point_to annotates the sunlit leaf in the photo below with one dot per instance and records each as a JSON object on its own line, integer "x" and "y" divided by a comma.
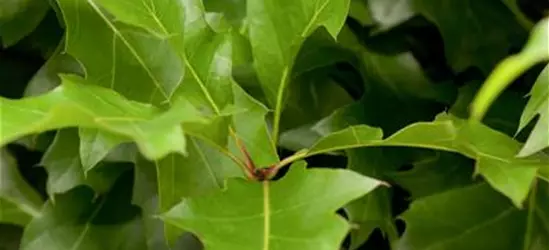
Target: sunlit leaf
{"x": 77, "y": 103}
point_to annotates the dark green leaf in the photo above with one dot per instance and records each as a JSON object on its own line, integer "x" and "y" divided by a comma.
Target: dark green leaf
{"x": 65, "y": 169}
{"x": 18, "y": 18}
{"x": 474, "y": 217}
{"x": 78, "y": 221}
{"x": 274, "y": 215}
{"x": 441, "y": 172}
{"x": 19, "y": 202}
{"x": 472, "y": 35}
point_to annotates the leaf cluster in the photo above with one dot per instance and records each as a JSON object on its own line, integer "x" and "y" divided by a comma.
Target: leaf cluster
{"x": 274, "y": 124}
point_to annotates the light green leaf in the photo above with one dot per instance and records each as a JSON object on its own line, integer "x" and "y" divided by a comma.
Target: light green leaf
{"x": 19, "y": 202}
{"x": 77, "y": 103}
{"x": 274, "y": 215}
{"x": 65, "y": 170}
{"x": 201, "y": 172}
{"x": 473, "y": 217}
{"x": 117, "y": 55}
{"x": 77, "y": 221}
{"x": 472, "y": 36}
{"x": 537, "y": 105}
{"x": 18, "y": 18}
{"x": 276, "y": 30}
{"x": 493, "y": 151}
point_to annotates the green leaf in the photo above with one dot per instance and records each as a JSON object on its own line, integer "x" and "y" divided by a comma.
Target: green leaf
{"x": 274, "y": 215}
{"x": 18, "y": 18}
{"x": 537, "y": 105}
{"x": 473, "y": 217}
{"x": 360, "y": 12}
{"x": 19, "y": 202}
{"x": 78, "y": 221}
{"x": 396, "y": 83}
{"x": 276, "y": 30}
{"x": 95, "y": 145}
{"x": 47, "y": 78}
{"x": 493, "y": 151}
{"x": 117, "y": 55}
{"x": 203, "y": 171}
{"x": 77, "y": 103}
{"x": 441, "y": 172}
{"x": 251, "y": 128}
{"x": 65, "y": 170}
{"x": 373, "y": 210}
{"x": 472, "y": 36}
{"x": 535, "y": 51}
{"x": 145, "y": 195}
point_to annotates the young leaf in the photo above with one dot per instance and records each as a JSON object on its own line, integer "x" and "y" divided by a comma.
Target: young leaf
{"x": 274, "y": 215}
{"x": 19, "y": 202}
{"x": 77, "y": 103}
{"x": 276, "y": 30}
{"x": 537, "y": 105}
{"x": 252, "y": 129}
{"x": 77, "y": 221}
{"x": 472, "y": 36}
{"x": 473, "y": 217}
{"x": 493, "y": 151}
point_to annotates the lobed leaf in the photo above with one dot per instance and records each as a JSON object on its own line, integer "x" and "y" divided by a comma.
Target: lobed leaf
{"x": 276, "y": 31}
{"x": 493, "y": 151}
{"x": 77, "y": 103}
{"x": 274, "y": 215}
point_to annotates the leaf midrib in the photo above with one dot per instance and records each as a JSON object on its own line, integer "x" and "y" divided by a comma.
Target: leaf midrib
{"x": 131, "y": 49}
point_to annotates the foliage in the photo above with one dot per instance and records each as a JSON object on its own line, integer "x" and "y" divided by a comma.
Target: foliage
{"x": 274, "y": 124}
